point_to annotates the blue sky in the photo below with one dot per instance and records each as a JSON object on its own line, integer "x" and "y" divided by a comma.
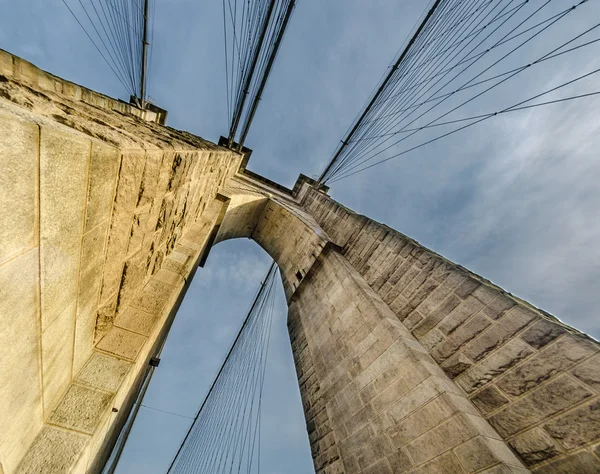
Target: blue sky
{"x": 515, "y": 199}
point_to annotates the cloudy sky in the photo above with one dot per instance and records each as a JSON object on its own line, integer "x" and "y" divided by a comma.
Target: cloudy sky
{"x": 515, "y": 199}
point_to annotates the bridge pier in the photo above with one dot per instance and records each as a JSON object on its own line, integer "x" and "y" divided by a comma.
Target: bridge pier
{"x": 406, "y": 362}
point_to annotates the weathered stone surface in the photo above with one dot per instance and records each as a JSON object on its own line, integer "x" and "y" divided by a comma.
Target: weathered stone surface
{"x": 481, "y": 452}
{"x": 460, "y": 314}
{"x": 436, "y": 316}
{"x": 90, "y": 273}
{"x": 85, "y": 325}
{"x": 63, "y": 176}
{"x": 553, "y": 359}
{"x": 19, "y": 367}
{"x": 136, "y": 320}
{"x": 589, "y": 372}
{"x": 535, "y": 446}
{"x": 81, "y": 409}
{"x": 19, "y": 143}
{"x": 467, "y": 332}
{"x": 457, "y": 364}
{"x": 105, "y": 317}
{"x": 128, "y": 186}
{"x": 489, "y": 399}
{"x": 576, "y": 428}
{"x": 54, "y": 451}
{"x": 582, "y": 462}
{"x": 122, "y": 343}
{"x": 499, "y": 306}
{"x": 153, "y": 297}
{"x": 498, "y": 334}
{"x": 541, "y": 333}
{"x": 57, "y": 357}
{"x": 553, "y": 397}
{"x": 104, "y": 372}
{"x": 497, "y": 363}
{"x": 104, "y": 165}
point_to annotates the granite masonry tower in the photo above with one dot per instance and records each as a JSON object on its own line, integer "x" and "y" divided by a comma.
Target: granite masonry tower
{"x": 406, "y": 362}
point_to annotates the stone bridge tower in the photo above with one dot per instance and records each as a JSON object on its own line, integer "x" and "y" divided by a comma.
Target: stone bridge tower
{"x": 406, "y": 362}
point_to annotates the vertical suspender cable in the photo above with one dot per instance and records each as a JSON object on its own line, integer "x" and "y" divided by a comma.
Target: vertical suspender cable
{"x": 231, "y": 349}
{"x": 240, "y": 106}
{"x": 379, "y": 91}
{"x": 144, "y": 56}
{"x": 263, "y": 82}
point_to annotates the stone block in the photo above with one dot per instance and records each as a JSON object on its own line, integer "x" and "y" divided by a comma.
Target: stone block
{"x": 136, "y": 320}
{"x": 57, "y": 357}
{"x": 578, "y": 427}
{"x": 6, "y": 64}
{"x": 547, "y": 400}
{"x": 553, "y": 359}
{"x": 432, "y": 339}
{"x": 126, "y": 197}
{"x": 589, "y": 372}
{"x": 19, "y": 341}
{"x": 122, "y": 343}
{"x": 447, "y": 463}
{"x": 139, "y": 230}
{"x": 499, "y": 306}
{"x": 489, "y": 399}
{"x": 19, "y": 143}
{"x": 542, "y": 333}
{"x": 461, "y": 313}
{"x": 81, "y": 409}
{"x": 63, "y": 176}
{"x": 481, "y": 452}
{"x": 149, "y": 188}
{"x": 581, "y": 462}
{"x": 535, "y": 446}
{"x": 447, "y": 405}
{"x": 22, "y": 435}
{"x": 90, "y": 272}
{"x": 457, "y": 364}
{"x": 450, "y": 434}
{"x": 85, "y": 324}
{"x": 154, "y": 296}
{"x": 498, "y": 334}
{"x": 399, "y": 461}
{"x": 467, "y": 287}
{"x": 105, "y": 317}
{"x": 486, "y": 294}
{"x": 436, "y": 316}
{"x": 494, "y": 365}
{"x": 104, "y": 166}
{"x": 104, "y": 372}
{"x": 53, "y": 451}
{"x": 170, "y": 278}
{"x": 132, "y": 278}
{"x": 373, "y": 452}
{"x": 467, "y": 332}
{"x": 410, "y": 428}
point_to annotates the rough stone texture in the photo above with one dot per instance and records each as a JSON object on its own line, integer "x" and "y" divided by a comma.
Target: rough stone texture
{"x": 80, "y": 409}
{"x": 20, "y": 391}
{"x": 53, "y": 452}
{"x": 122, "y": 343}
{"x": 372, "y": 391}
{"x": 103, "y": 372}
{"x": 19, "y": 144}
{"x": 522, "y": 368}
{"x": 63, "y": 176}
